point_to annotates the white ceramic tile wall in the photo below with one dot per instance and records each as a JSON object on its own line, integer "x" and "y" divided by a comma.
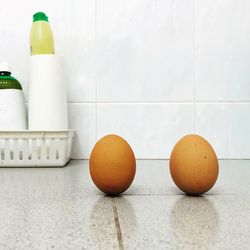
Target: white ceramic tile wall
{"x": 222, "y": 50}
{"x": 151, "y": 129}
{"x": 149, "y": 70}
{"x": 82, "y": 118}
{"x": 226, "y": 126}
{"x": 145, "y": 50}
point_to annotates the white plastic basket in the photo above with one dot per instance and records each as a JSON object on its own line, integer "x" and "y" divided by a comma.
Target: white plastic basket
{"x": 35, "y": 148}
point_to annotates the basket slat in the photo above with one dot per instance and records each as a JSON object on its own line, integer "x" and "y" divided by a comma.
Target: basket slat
{"x": 35, "y": 148}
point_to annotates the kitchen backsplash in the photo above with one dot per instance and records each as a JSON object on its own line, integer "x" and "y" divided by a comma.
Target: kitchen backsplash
{"x": 148, "y": 70}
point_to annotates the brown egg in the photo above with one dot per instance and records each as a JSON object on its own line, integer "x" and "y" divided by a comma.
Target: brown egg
{"x": 194, "y": 165}
{"x": 112, "y": 165}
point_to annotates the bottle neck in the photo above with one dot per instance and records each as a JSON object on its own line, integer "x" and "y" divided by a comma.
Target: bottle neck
{"x": 5, "y": 73}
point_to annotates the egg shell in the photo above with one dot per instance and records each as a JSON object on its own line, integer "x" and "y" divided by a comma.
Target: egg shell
{"x": 112, "y": 165}
{"x": 194, "y": 165}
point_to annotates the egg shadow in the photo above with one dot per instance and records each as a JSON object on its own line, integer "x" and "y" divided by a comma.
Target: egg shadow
{"x": 194, "y": 221}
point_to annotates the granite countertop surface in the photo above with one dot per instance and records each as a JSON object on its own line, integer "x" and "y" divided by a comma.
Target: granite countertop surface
{"x": 60, "y": 208}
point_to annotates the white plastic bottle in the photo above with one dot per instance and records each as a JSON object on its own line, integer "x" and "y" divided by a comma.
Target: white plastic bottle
{"x": 41, "y": 36}
{"x": 47, "y": 88}
{"x": 12, "y": 106}
{"x": 47, "y": 94}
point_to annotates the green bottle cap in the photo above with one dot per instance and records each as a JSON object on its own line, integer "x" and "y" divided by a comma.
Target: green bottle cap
{"x": 9, "y": 82}
{"x": 40, "y": 16}
{"x": 6, "y": 80}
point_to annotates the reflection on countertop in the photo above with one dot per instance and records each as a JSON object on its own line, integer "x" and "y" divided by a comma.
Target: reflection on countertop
{"x": 60, "y": 208}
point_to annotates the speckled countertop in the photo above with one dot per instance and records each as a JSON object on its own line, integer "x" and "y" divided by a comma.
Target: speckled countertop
{"x": 60, "y": 208}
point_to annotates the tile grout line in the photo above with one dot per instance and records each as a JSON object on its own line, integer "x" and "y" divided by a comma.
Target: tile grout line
{"x": 155, "y": 102}
{"x": 96, "y": 80}
{"x": 194, "y": 62}
{"x": 131, "y": 195}
{"x": 117, "y": 225}
{"x": 185, "y": 195}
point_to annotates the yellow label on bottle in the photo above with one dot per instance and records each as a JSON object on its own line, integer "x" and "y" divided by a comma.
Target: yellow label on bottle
{"x": 41, "y": 38}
